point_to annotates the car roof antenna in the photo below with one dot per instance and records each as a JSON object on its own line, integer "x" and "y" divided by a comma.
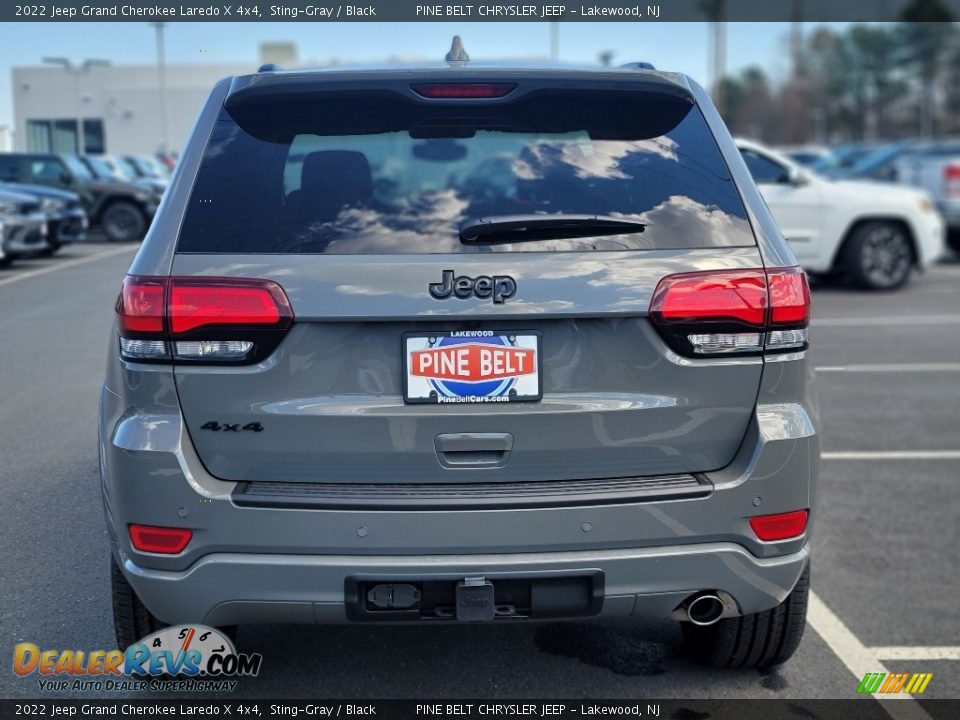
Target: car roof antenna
{"x": 457, "y": 54}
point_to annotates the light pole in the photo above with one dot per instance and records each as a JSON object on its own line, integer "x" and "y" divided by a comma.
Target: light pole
{"x": 162, "y": 84}
{"x": 716, "y": 13}
{"x": 554, "y": 41}
{"x": 77, "y": 71}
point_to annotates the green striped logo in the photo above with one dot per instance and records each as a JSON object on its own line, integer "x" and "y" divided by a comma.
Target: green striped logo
{"x": 888, "y": 683}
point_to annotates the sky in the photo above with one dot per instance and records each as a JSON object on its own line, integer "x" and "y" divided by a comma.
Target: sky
{"x": 680, "y": 47}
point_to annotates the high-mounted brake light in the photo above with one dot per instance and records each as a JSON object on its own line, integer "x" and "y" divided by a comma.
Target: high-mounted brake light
{"x": 463, "y": 90}
{"x": 723, "y": 312}
{"x": 161, "y": 540}
{"x": 781, "y": 526}
{"x": 200, "y": 319}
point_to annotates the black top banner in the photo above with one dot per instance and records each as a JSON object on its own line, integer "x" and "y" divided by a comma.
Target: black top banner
{"x": 494, "y": 10}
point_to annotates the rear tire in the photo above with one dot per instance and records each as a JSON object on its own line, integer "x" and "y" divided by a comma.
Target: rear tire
{"x": 131, "y": 619}
{"x": 757, "y": 640}
{"x": 123, "y": 221}
{"x": 879, "y": 255}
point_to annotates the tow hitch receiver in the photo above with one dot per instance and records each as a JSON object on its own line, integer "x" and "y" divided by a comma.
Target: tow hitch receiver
{"x": 475, "y": 600}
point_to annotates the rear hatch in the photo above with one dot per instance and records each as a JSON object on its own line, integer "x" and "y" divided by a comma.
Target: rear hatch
{"x": 469, "y": 264}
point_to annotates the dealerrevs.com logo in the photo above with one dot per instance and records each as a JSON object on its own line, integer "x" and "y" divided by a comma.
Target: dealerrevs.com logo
{"x": 182, "y": 658}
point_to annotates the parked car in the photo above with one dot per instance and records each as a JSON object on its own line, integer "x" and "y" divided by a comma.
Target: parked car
{"x": 874, "y": 232}
{"x": 144, "y": 166}
{"x": 463, "y": 361}
{"x": 145, "y": 171}
{"x": 880, "y": 163}
{"x": 806, "y": 155}
{"x": 25, "y": 226}
{"x": 123, "y": 211}
{"x": 113, "y": 169}
{"x": 105, "y": 168}
{"x": 936, "y": 169}
{"x": 168, "y": 161}
{"x": 66, "y": 219}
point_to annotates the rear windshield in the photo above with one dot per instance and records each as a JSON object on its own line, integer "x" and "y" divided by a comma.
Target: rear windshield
{"x": 380, "y": 174}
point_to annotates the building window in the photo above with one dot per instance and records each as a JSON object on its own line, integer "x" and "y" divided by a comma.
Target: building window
{"x": 61, "y": 136}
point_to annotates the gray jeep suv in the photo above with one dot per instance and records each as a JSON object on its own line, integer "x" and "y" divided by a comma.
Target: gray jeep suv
{"x": 462, "y": 343}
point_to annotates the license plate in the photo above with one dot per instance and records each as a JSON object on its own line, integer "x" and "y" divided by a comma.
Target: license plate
{"x": 472, "y": 366}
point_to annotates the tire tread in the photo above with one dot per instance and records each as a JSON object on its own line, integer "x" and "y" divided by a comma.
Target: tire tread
{"x": 757, "y": 640}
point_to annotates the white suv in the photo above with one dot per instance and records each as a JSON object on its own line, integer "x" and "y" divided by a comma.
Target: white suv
{"x": 874, "y": 232}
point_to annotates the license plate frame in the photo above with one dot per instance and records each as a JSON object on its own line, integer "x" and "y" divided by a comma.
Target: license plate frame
{"x": 524, "y": 387}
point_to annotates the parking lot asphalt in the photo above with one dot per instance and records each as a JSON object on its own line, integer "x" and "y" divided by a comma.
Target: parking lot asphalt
{"x": 884, "y": 546}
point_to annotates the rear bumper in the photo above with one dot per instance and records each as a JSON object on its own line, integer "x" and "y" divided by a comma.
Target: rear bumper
{"x": 70, "y": 227}
{"x": 228, "y": 589}
{"x": 950, "y": 210}
{"x": 931, "y": 237}
{"x": 261, "y": 564}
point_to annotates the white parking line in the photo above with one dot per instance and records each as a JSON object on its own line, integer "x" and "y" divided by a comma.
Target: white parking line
{"x": 887, "y": 320}
{"x": 891, "y": 367}
{"x": 936, "y": 652}
{"x": 67, "y": 264}
{"x": 892, "y": 455}
{"x": 859, "y": 660}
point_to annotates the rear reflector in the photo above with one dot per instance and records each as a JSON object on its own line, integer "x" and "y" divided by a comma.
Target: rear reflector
{"x": 162, "y": 540}
{"x": 200, "y": 319}
{"x": 722, "y": 312}
{"x": 463, "y": 90}
{"x": 780, "y": 527}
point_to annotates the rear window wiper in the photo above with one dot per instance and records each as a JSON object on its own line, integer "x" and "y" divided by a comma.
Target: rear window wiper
{"x": 498, "y": 229}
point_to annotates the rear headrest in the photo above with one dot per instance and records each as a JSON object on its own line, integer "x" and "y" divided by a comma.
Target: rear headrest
{"x": 341, "y": 176}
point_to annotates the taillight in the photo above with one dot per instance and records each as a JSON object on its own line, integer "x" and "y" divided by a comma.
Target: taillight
{"x": 162, "y": 540}
{"x": 951, "y": 180}
{"x": 463, "y": 90}
{"x": 196, "y": 319}
{"x": 780, "y": 527}
{"x": 723, "y": 312}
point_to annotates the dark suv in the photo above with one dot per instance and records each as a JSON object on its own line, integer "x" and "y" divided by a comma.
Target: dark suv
{"x": 463, "y": 343}
{"x": 123, "y": 211}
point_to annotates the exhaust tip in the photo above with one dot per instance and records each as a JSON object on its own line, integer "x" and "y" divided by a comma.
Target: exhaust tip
{"x": 705, "y": 609}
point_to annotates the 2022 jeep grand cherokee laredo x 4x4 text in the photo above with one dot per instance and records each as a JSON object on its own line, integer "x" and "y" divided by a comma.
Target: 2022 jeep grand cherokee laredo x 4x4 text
{"x": 462, "y": 343}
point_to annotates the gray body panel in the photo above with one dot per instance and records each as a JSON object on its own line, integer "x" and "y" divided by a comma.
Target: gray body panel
{"x": 246, "y": 564}
{"x": 330, "y": 398}
{"x": 617, "y": 403}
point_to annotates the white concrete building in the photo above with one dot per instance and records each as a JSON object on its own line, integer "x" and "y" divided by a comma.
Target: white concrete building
{"x": 120, "y": 106}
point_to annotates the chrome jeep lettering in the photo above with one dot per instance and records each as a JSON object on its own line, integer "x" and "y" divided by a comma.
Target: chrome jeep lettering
{"x": 500, "y": 287}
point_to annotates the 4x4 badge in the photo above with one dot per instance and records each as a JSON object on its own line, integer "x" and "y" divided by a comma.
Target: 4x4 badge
{"x": 499, "y": 287}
